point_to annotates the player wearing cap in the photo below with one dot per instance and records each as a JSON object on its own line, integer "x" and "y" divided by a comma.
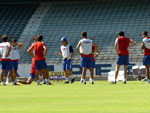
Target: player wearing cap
{"x": 67, "y": 52}
{"x": 146, "y": 59}
{"x": 122, "y": 49}
{"x": 15, "y": 57}
{"x": 39, "y": 56}
{"x": 6, "y": 63}
{"x": 84, "y": 48}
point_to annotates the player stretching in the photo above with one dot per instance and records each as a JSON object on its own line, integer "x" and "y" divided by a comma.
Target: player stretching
{"x": 32, "y": 74}
{"x": 146, "y": 59}
{"x": 40, "y": 63}
{"x": 66, "y": 51}
{"x": 6, "y": 63}
{"x": 84, "y": 48}
{"x": 14, "y": 57}
{"x": 122, "y": 49}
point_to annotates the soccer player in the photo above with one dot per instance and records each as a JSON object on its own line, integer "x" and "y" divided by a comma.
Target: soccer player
{"x": 67, "y": 52}
{"x": 40, "y": 63}
{"x": 6, "y": 63}
{"x": 146, "y": 59}
{"x": 84, "y": 48}
{"x": 32, "y": 74}
{"x": 122, "y": 49}
{"x": 94, "y": 50}
{"x": 15, "y": 57}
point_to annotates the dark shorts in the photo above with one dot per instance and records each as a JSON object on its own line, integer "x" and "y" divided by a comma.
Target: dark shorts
{"x": 15, "y": 65}
{"x": 40, "y": 64}
{"x": 6, "y": 65}
{"x": 146, "y": 60}
{"x": 123, "y": 60}
{"x": 86, "y": 62}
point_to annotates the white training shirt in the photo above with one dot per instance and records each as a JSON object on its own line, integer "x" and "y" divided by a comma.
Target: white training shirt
{"x": 15, "y": 53}
{"x": 147, "y": 42}
{"x": 4, "y": 50}
{"x": 86, "y": 46}
{"x": 66, "y": 51}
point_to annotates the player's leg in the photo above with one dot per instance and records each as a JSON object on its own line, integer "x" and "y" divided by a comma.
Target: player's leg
{"x": 29, "y": 81}
{"x": 125, "y": 74}
{"x": 92, "y": 72}
{"x": 44, "y": 77}
{"x": 84, "y": 69}
{"x": 116, "y": 74}
{"x": 15, "y": 68}
{"x": 91, "y": 79}
{"x": 64, "y": 66}
{"x": 147, "y": 73}
{"x": 37, "y": 72}
{"x": 2, "y": 77}
{"x": 7, "y": 78}
{"x": 69, "y": 70}
{"x": 44, "y": 69}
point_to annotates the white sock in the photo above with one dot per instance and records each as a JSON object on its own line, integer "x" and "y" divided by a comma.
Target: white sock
{"x": 67, "y": 79}
{"x": 44, "y": 80}
{"x": 7, "y": 79}
{"x": 81, "y": 80}
{"x": 91, "y": 80}
{"x": 38, "y": 82}
{"x": 3, "y": 83}
{"x": 84, "y": 80}
{"x": 72, "y": 77}
{"x": 13, "y": 82}
{"x": 124, "y": 79}
{"x": 47, "y": 81}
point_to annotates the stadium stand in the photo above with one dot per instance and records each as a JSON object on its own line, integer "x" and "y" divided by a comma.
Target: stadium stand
{"x": 102, "y": 20}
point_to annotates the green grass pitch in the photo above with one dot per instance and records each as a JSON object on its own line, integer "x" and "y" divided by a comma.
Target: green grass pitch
{"x": 102, "y": 97}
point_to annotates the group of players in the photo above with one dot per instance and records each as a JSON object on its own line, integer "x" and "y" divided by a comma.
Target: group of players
{"x": 86, "y": 48}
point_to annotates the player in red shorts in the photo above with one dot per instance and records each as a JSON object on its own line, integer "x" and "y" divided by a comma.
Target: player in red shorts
{"x": 40, "y": 63}
{"x": 122, "y": 49}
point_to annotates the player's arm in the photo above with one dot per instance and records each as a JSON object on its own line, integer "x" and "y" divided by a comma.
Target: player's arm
{"x": 59, "y": 53}
{"x": 116, "y": 45}
{"x": 72, "y": 52}
{"x": 142, "y": 46}
{"x": 45, "y": 49}
{"x": 133, "y": 43}
{"x": 29, "y": 51}
{"x": 96, "y": 47}
{"x": 20, "y": 45}
{"x": 78, "y": 48}
{"x": 9, "y": 49}
{"x": 98, "y": 53}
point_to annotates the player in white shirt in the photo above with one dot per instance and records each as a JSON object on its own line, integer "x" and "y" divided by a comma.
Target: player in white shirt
{"x": 66, "y": 51}
{"x": 15, "y": 57}
{"x": 84, "y": 48}
{"x": 6, "y": 63}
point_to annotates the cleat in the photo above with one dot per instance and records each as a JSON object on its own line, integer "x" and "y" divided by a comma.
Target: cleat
{"x": 44, "y": 82}
{"x": 113, "y": 82}
{"x": 84, "y": 83}
{"x": 124, "y": 82}
{"x": 67, "y": 82}
{"x": 143, "y": 80}
{"x": 72, "y": 80}
{"x": 92, "y": 82}
{"x": 148, "y": 82}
